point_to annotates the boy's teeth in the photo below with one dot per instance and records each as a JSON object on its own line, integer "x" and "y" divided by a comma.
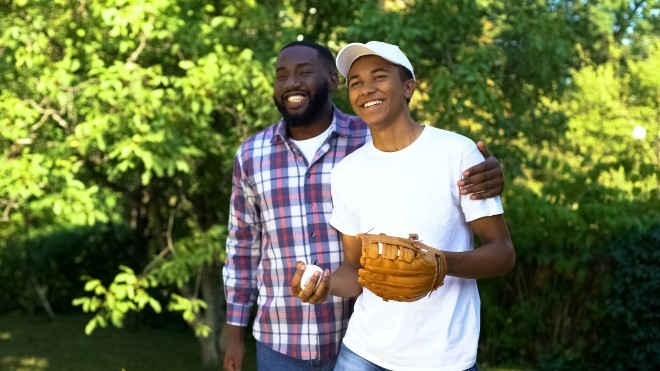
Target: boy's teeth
{"x": 372, "y": 103}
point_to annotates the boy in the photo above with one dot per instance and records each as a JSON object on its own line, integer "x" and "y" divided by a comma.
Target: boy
{"x": 398, "y": 183}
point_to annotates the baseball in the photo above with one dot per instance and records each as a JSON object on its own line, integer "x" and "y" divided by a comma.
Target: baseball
{"x": 308, "y": 274}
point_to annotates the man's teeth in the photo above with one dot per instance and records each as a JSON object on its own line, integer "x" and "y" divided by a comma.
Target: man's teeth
{"x": 372, "y": 103}
{"x": 295, "y": 98}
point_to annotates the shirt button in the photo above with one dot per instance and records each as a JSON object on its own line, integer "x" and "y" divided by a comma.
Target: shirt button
{"x": 313, "y": 234}
{"x": 309, "y": 206}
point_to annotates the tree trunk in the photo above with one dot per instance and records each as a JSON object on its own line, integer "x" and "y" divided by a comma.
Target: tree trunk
{"x": 214, "y": 316}
{"x": 42, "y": 297}
{"x": 138, "y": 251}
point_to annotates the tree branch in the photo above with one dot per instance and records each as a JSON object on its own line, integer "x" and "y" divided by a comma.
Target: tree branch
{"x": 47, "y": 112}
{"x": 169, "y": 248}
{"x": 136, "y": 53}
{"x": 8, "y": 205}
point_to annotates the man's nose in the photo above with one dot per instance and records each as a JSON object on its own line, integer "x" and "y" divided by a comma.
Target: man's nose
{"x": 292, "y": 81}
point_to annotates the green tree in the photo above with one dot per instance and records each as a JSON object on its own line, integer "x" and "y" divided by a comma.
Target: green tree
{"x": 128, "y": 113}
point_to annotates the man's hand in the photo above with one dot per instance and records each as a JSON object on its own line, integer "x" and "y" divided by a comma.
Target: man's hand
{"x": 311, "y": 294}
{"x": 235, "y": 349}
{"x": 483, "y": 180}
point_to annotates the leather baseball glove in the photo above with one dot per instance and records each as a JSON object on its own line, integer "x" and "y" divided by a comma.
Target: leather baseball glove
{"x": 400, "y": 269}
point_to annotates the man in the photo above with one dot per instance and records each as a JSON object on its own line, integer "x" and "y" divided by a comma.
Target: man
{"x": 372, "y": 191}
{"x": 280, "y": 209}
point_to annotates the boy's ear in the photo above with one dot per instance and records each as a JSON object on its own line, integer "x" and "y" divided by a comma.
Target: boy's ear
{"x": 334, "y": 80}
{"x": 409, "y": 88}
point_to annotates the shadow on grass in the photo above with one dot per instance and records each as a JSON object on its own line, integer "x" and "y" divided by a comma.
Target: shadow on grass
{"x": 61, "y": 345}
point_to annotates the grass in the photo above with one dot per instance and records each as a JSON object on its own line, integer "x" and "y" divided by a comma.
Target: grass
{"x": 40, "y": 345}
{"x": 61, "y": 345}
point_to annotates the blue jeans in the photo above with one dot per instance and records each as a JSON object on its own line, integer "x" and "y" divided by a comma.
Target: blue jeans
{"x": 271, "y": 360}
{"x": 349, "y": 361}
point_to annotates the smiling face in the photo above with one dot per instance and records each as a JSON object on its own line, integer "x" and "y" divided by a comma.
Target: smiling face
{"x": 303, "y": 82}
{"x": 377, "y": 91}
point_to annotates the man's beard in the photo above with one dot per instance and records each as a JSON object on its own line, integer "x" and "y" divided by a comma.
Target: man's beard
{"x": 316, "y": 103}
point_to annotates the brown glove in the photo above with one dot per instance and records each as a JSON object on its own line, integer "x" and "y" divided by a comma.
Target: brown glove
{"x": 396, "y": 268}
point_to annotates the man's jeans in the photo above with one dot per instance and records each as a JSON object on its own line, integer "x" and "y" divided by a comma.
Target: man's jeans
{"x": 349, "y": 361}
{"x": 270, "y": 360}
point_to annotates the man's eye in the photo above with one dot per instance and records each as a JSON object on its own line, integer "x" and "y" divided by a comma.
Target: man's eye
{"x": 280, "y": 77}
{"x": 305, "y": 73}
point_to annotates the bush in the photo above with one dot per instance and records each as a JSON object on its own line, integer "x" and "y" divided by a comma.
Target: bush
{"x": 632, "y": 326}
{"x": 583, "y": 294}
{"x": 58, "y": 261}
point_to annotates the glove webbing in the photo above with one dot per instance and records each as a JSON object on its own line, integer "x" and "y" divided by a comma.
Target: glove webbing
{"x": 439, "y": 257}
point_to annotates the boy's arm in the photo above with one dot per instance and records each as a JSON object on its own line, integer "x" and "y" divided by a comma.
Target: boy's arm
{"x": 484, "y": 180}
{"x": 495, "y": 257}
{"x": 343, "y": 282}
{"x": 344, "y": 279}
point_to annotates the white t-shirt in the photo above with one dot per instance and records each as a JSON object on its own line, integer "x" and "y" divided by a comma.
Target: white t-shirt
{"x": 308, "y": 147}
{"x": 414, "y": 191}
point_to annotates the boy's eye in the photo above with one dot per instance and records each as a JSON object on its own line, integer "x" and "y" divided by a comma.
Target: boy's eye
{"x": 354, "y": 84}
{"x": 379, "y": 77}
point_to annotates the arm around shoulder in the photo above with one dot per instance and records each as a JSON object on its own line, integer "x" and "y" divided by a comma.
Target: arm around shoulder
{"x": 484, "y": 180}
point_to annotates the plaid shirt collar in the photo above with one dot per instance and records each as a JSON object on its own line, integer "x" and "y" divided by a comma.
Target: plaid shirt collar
{"x": 339, "y": 119}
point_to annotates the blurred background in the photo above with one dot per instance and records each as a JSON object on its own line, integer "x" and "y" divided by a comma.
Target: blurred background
{"x": 119, "y": 120}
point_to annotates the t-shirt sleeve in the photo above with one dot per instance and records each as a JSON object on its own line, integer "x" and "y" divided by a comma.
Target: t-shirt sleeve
{"x": 475, "y": 209}
{"x": 344, "y": 217}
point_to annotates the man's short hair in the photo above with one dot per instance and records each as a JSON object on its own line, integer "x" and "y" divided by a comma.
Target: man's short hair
{"x": 324, "y": 53}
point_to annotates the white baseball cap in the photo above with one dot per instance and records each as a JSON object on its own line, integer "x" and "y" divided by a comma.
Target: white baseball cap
{"x": 349, "y": 53}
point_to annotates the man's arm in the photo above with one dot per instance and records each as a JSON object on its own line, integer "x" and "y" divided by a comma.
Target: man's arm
{"x": 495, "y": 257}
{"x": 235, "y": 349}
{"x": 342, "y": 282}
{"x": 484, "y": 180}
{"x": 239, "y": 271}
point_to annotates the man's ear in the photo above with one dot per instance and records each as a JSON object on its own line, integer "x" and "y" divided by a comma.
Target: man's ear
{"x": 409, "y": 88}
{"x": 334, "y": 80}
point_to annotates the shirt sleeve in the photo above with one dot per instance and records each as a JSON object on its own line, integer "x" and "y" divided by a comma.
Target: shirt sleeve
{"x": 343, "y": 219}
{"x": 475, "y": 209}
{"x": 243, "y": 249}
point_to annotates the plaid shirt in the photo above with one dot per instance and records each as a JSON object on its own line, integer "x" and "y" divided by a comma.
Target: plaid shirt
{"x": 280, "y": 213}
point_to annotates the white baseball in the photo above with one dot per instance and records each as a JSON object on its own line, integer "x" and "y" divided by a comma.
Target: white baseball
{"x": 308, "y": 274}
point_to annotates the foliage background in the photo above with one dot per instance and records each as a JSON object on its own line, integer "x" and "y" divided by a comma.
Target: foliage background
{"x": 119, "y": 120}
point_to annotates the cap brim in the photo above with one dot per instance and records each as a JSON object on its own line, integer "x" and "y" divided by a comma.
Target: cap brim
{"x": 348, "y": 54}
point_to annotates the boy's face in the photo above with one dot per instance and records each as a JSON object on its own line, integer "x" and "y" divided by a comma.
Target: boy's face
{"x": 376, "y": 90}
{"x": 302, "y": 85}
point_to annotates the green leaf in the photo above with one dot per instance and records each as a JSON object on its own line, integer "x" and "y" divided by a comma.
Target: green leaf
{"x": 91, "y": 285}
{"x": 117, "y": 319}
{"x": 91, "y": 325}
{"x": 155, "y": 305}
{"x": 186, "y": 65}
